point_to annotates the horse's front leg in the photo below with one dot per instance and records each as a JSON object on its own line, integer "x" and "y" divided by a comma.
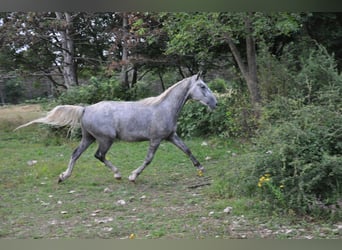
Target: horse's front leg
{"x": 174, "y": 138}
{"x": 154, "y": 144}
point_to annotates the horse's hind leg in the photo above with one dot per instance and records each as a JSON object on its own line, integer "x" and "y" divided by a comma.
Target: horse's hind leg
{"x": 154, "y": 144}
{"x": 104, "y": 145}
{"x": 87, "y": 139}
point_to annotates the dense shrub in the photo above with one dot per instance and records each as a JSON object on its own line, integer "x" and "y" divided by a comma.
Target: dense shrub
{"x": 295, "y": 164}
{"x": 14, "y": 90}
{"x": 318, "y": 73}
{"x": 218, "y": 85}
{"x": 299, "y": 160}
{"x": 97, "y": 90}
{"x": 302, "y": 160}
{"x": 197, "y": 120}
{"x": 298, "y": 73}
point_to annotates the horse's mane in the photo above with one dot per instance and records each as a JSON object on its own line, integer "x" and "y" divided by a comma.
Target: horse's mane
{"x": 162, "y": 96}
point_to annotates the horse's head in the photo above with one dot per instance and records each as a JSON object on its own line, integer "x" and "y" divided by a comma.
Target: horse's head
{"x": 199, "y": 91}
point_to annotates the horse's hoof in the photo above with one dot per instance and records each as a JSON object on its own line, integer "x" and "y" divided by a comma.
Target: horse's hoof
{"x": 59, "y": 180}
{"x": 132, "y": 178}
{"x": 118, "y": 177}
{"x": 201, "y": 169}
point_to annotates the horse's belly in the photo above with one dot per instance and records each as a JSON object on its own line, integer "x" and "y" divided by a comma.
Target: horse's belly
{"x": 131, "y": 129}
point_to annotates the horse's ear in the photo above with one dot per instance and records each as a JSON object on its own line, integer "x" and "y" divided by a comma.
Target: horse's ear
{"x": 199, "y": 74}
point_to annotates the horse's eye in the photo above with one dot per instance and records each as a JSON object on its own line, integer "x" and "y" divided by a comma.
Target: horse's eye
{"x": 202, "y": 86}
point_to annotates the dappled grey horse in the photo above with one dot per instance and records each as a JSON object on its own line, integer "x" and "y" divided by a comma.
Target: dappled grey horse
{"x": 152, "y": 119}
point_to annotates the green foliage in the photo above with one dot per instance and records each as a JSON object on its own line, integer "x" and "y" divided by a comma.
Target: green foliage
{"x": 303, "y": 72}
{"x": 318, "y": 72}
{"x": 97, "y": 90}
{"x": 299, "y": 143}
{"x": 276, "y": 77}
{"x": 218, "y": 85}
{"x": 295, "y": 165}
{"x": 303, "y": 156}
{"x": 14, "y": 90}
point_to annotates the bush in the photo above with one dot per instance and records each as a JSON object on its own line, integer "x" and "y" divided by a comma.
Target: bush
{"x": 97, "y": 90}
{"x": 301, "y": 72}
{"x": 14, "y": 90}
{"x": 318, "y": 73}
{"x": 196, "y": 120}
{"x": 299, "y": 162}
{"x": 299, "y": 148}
{"x": 218, "y": 85}
{"x": 295, "y": 164}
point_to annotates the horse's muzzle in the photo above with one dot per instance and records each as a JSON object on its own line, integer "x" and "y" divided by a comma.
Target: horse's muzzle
{"x": 212, "y": 104}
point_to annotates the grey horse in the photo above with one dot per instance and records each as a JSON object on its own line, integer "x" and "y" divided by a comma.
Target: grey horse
{"x": 152, "y": 119}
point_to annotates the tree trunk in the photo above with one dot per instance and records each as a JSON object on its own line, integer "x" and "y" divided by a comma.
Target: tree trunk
{"x": 124, "y": 58}
{"x": 249, "y": 71}
{"x": 134, "y": 76}
{"x": 252, "y": 78}
{"x": 67, "y": 45}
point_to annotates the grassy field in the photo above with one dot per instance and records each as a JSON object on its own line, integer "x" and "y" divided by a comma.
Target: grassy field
{"x": 169, "y": 200}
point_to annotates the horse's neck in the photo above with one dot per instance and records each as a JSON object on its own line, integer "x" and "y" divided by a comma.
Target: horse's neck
{"x": 176, "y": 99}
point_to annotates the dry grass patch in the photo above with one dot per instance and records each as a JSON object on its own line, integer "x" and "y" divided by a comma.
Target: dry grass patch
{"x": 14, "y": 115}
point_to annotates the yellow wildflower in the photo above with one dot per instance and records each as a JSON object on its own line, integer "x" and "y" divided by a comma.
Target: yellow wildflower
{"x": 200, "y": 173}
{"x": 131, "y": 236}
{"x": 264, "y": 178}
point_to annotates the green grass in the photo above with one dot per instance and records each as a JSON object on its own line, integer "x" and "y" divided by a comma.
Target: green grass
{"x": 159, "y": 205}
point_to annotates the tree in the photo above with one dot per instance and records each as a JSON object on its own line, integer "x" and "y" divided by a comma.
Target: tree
{"x": 55, "y": 45}
{"x": 201, "y": 34}
{"x": 139, "y": 46}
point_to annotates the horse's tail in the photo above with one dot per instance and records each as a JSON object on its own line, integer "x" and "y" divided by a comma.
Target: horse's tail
{"x": 64, "y": 115}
